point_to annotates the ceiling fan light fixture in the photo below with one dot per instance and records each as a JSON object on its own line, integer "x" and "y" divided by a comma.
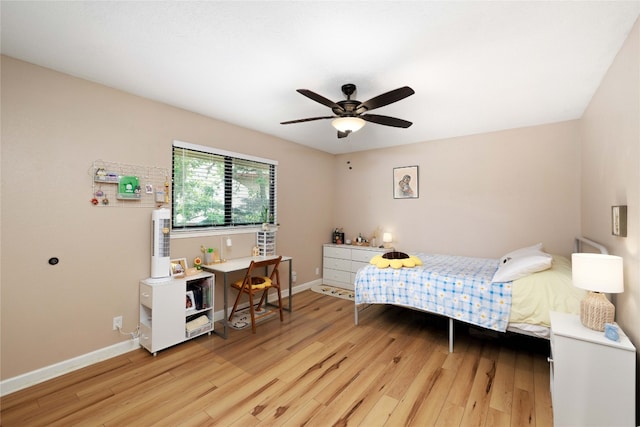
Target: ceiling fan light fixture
{"x": 348, "y": 124}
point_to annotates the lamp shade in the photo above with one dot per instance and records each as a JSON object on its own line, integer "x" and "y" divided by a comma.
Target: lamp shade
{"x": 348, "y": 124}
{"x": 387, "y": 238}
{"x": 597, "y": 272}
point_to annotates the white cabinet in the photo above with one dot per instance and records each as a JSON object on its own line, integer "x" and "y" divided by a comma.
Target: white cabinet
{"x": 592, "y": 377}
{"x": 175, "y": 310}
{"x": 340, "y": 263}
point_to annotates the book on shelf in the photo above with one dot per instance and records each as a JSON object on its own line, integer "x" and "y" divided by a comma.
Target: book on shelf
{"x": 202, "y": 293}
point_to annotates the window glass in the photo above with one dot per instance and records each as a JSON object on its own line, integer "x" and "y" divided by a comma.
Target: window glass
{"x": 221, "y": 189}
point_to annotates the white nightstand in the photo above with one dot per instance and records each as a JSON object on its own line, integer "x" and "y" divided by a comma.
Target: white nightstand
{"x": 592, "y": 377}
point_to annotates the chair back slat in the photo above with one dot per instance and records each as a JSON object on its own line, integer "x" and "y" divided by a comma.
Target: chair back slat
{"x": 275, "y": 262}
{"x": 265, "y": 263}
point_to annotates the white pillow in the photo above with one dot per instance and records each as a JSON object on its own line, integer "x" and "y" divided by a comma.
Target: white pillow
{"x": 516, "y": 268}
{"x": 529, "y": 250}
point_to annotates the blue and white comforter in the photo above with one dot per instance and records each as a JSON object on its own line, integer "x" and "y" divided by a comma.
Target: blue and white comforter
{"x": 453, "y": 286}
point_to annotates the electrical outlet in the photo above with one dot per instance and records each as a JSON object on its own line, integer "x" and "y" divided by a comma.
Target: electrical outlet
{"x": 117, "y": 323}
{"x": 317, "y": 271}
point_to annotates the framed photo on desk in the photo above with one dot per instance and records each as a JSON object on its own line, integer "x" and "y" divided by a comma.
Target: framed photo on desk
{"x": 178, "y": 267}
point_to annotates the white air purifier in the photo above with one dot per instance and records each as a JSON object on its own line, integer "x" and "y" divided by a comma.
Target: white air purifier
{"x": 160, "y": 256}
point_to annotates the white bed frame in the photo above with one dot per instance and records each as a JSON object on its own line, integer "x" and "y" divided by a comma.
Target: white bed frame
{"x": 578, "y": 244}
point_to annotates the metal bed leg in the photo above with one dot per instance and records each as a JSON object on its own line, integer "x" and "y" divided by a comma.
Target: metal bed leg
{"x": 355, "y": 318}
{"x": 450, "y": 335}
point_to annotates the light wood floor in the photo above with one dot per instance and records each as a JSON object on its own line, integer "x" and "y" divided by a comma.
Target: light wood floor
{"x": 314, "y": 369}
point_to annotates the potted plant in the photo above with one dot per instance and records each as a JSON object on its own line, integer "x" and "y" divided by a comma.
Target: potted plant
{"x": 208, "y": 254}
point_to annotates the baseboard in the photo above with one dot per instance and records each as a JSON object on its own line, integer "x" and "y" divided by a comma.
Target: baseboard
{"x": 29, "y": 379}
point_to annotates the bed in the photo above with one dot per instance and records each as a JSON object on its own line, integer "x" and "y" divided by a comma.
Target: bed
{"x": 514, "y": 293}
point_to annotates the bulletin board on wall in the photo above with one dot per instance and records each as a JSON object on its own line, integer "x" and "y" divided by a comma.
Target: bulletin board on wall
{"x": 116, "y": 184}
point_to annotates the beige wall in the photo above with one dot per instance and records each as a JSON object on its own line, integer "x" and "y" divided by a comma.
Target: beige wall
{"x": 480, "y": 195}
{"x": 611, "y": 172}
{"x": 53, "y": 127}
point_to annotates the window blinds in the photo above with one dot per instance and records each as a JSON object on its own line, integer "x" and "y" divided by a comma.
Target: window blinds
{"x": 215, "y": 188}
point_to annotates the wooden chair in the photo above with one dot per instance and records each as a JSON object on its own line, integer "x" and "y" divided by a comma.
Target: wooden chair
{"x": 254, "y": 283}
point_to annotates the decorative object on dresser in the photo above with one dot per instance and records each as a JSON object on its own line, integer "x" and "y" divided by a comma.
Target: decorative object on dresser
{"x": 387, "y": 239}
{"x": 338, "y": 236}
{"x": 592, "y": 377}
{"x": 598, "y": 274}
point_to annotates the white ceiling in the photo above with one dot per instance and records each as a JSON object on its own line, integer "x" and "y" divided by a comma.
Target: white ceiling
{"x": 476, "y": 66}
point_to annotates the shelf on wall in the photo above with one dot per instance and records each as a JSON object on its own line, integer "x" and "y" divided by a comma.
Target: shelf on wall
{"x": 116, "y": 184}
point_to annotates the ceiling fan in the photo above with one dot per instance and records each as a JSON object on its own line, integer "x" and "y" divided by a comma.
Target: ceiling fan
{"x": 350, "y": 115}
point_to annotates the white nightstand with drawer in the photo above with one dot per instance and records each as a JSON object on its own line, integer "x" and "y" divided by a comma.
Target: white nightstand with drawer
{"x": 592, "y": 377}
{"x": 340, "y": 263}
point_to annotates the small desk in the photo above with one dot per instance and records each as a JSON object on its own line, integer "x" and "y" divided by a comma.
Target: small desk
{"x": 239, "y": 264}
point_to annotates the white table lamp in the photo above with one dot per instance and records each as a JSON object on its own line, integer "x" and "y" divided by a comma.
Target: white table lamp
{"x": 598, "y": 274}
{"x": 387, "y": 238}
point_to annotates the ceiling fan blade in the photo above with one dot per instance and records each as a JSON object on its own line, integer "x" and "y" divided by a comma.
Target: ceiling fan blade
{"x": 307, "y": 120}
{"x": 343, "y": 134}
{"x": 386, "y": 120}
{"x": 385, "y": 99}
{"x": 319, "y": 98}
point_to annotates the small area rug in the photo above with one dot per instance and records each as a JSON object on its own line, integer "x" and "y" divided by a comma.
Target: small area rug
{"x": 332, "y": 291}
{"x": 242, "y": 318}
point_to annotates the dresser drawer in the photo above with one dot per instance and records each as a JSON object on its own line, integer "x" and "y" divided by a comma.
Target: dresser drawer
{"x": 146, "y": 295}
{"x": 355, "y": 266}
{"x": 146, "y": 339}
{"x": 363, "y": 255}
{"x": 337, "y": 264}
{"x": 329, "y": 275}
{"x": 333, "y": 252}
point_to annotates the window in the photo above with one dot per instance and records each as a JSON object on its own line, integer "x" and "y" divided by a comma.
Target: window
{"x": 214, "y": 188}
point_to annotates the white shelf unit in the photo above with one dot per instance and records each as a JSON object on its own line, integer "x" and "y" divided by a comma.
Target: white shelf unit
{"x": 164, "y": 318}
{"x": 266, "y": 241}
{"x": 340, "y": 263}
{"x": 592, "y": 377}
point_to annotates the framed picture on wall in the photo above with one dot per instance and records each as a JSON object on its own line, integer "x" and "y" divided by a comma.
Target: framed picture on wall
{"x": 405, "y": 182}
{"x": 178, "y": 267}
{"x": 619, "y": 221}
